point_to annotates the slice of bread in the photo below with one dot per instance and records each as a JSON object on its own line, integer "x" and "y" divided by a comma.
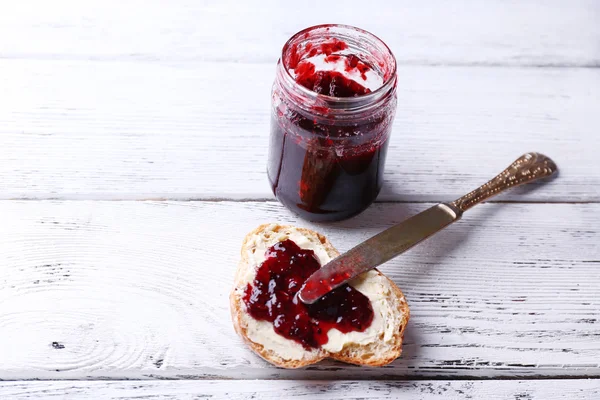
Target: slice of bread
{"x": 378, "y": 345}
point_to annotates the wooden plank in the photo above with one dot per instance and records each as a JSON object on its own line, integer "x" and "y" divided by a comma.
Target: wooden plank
{"x": 419, "y": 32}
{"x": 92, "y": 289}
{"x": 118, "y": 130}
{"x": 318, "y": 390}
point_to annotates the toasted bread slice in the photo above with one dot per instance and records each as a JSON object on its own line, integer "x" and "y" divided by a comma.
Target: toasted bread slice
{"x": 378, "y": 345}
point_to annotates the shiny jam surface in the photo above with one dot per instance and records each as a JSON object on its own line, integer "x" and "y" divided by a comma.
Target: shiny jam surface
{"x": 272, "y": 297}
{"x": 320, "y": 168}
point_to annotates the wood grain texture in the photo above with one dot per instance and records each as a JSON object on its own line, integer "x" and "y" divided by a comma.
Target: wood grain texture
{"x": 140, "y": 99}
{"x": 317, "y": 390}
{"x": 125, "y": 130}
{"x": 464, "y": 32}
{"x": 92, "y": 289}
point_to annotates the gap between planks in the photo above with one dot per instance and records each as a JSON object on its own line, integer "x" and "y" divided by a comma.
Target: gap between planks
{"x": 270, "y": 62}
{"x": 423, "y": 390}
{"x": 310, "y": 378}
{"x": 265, "y": 200}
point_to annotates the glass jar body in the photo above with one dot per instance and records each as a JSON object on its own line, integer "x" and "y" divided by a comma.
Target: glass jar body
{"x": 327, "y": 155}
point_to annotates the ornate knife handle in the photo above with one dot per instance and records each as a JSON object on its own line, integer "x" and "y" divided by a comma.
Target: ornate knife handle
{"x": 527, "y": 168}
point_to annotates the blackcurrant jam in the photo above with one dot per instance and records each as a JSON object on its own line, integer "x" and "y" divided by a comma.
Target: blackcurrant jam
{"x": 272, "y": 296}
{"x": 334, "y": 101}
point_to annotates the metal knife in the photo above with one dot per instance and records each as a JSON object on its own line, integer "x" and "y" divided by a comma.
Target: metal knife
{"x": 399, "y": 238}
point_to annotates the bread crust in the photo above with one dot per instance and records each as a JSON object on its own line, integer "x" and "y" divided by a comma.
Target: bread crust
{"x": 357, "y": 355}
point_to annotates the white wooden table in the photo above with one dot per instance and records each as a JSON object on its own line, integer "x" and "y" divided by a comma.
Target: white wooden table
{"x": 133, "y": 141}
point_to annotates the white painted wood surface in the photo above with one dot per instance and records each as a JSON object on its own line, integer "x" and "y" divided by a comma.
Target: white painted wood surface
{"x": 140, "y": 289}
{"x": 496, "y": 32}
{"x": 317, "y": 390}
{"x": 121, "y": 130}
{"x": 138, "y": 100}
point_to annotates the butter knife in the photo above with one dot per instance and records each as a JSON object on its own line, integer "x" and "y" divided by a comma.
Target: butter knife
{"x": 401, "y": 237}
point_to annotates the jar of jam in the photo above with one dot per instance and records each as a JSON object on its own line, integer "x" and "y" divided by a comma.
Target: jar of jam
{"x": 333, "y": 104}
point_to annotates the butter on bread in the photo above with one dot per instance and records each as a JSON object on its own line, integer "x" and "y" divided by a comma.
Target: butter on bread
{"x": 379, "y": 344}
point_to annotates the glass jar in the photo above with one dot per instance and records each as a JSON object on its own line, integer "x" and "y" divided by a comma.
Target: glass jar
{"x": 333, "y": 104}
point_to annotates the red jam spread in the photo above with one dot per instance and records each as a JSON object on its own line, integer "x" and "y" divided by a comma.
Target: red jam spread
{"x": 272, "y": 297}
{"x": 321, "y": 168}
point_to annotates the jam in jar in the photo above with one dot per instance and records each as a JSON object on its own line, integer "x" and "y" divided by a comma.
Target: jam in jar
{"x": 333, "y": 104}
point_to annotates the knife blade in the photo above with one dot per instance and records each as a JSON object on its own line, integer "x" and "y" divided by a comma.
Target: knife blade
{"x": 377, "y": 250}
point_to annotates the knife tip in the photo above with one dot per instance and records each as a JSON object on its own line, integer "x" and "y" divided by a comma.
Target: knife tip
{"x": 303, "y": 299}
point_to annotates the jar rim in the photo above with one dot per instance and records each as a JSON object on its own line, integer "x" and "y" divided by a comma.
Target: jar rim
{"x": 374, "y": 95}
